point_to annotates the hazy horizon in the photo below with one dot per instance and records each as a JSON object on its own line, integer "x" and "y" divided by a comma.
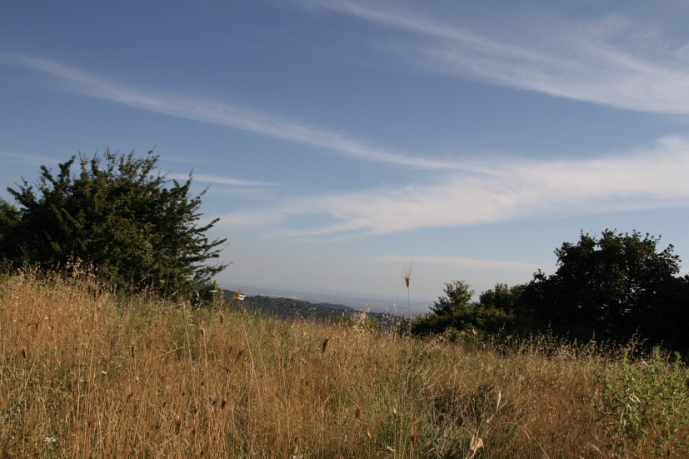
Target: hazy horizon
{"x": 398, "y": 306}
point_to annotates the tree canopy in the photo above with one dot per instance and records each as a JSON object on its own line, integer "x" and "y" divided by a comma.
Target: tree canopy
{"x": 457, "y": 295}
{"x": 615, "y": 285}
{"x": 455, "y": 311}
{"x": 503, "y": 297}
{"x": 119, "y": 214}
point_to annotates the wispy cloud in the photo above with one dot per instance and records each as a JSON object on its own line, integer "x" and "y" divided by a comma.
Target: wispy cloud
{"x": 26, "y": 158}
{"x": 219, "y": 180}
{"x": 83, "y": 83}
{"x": 641, "y": 179}
{"x": 612, "y": 59}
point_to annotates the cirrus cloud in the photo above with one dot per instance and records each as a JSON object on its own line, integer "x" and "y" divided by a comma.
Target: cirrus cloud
{"x": 641, "y": 179}
{"x": 224, "y": 114}
{"x": 616, "y": 58}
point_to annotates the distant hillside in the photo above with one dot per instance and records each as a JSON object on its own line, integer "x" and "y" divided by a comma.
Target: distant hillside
{"x": 288, "y": 308}
{"x": 353, "y": 300}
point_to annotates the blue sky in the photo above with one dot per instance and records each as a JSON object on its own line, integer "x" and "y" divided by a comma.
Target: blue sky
{"x": 345, "y": 140}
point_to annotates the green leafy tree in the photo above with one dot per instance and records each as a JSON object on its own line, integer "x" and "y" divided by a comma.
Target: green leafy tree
{"x": 458, "y": 295}
{"x": 119, "y": 214}
{"x": 615, "y": 286}
{"x": 509, "y": 299}
{"x": 9, "y": 220}
{"x": 493, "y": 314}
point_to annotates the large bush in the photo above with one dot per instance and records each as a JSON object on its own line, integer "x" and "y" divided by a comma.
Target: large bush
{"x": 496, "y": 312}
{"x": 120, "y": 215}
{"x": 614, "y": 286}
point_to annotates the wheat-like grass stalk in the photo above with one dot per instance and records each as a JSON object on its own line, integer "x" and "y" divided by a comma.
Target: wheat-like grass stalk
{"x": 406, "y": 275}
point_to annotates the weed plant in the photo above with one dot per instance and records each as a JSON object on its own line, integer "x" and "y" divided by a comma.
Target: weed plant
{"x": 644, "y": 406}
{"x": 89, "y": 374}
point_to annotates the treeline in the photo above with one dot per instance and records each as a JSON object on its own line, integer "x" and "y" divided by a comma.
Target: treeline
{"x": 615, "y": 287}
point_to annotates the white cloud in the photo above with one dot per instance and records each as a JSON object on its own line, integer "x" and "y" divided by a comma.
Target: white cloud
{"x": 642, "y": 179}
{"x": 219, "y": 180}
{"x": 27, "y": 158}
{"x": 614, "y": 59}
{"x": 79, "y": 82}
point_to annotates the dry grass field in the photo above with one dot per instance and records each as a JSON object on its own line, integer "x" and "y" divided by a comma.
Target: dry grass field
{"x": 85, "y": 374}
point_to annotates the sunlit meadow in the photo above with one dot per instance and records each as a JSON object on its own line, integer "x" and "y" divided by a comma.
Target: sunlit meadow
{"x": 86, "y": 373}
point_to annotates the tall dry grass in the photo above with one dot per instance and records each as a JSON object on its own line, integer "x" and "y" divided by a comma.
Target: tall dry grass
{"x": 84, "y": 375}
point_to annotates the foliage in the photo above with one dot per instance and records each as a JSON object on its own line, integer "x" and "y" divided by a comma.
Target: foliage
{"x": 495, "y": 313}
{"x": 9, "y": 219}
{"x": 644, "y": 407}
{"x": 473, "y": 322}
{"x": 614, "y": 286}
{"x": 135, "y": 227}
{"x": 458, "y": 295}
{"x": 509, "y": 299}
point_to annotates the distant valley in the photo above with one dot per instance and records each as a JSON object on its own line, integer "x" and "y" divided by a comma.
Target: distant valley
{"x": 294, "y": 308}
{"x": 392, "y": 306}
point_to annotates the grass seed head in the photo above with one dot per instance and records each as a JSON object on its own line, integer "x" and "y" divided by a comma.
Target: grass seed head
{"x": 414, "y": 435}
{"x": 406, "y": 274}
